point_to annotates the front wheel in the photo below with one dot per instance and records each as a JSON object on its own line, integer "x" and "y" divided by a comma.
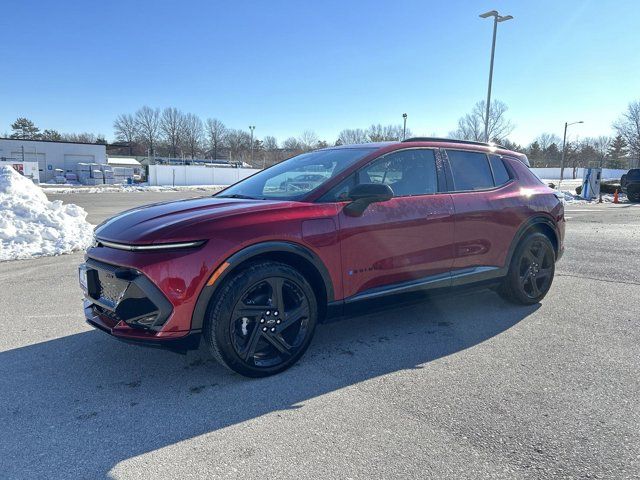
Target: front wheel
{"x": 531, "y": 271}
{"x": 262, "y": 319}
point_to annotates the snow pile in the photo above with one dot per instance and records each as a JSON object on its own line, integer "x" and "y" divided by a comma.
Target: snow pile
{"x": 68, "y": 189}
{"x": 573, "y": 198}
{"x": 32, "y": 226}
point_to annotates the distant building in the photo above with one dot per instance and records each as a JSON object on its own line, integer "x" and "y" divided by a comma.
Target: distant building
{"x": 52, "y": 156}
{"x": 139, "y": 171}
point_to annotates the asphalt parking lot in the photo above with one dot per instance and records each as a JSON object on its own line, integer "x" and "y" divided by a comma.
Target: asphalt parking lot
{"x": 452, "y": 387}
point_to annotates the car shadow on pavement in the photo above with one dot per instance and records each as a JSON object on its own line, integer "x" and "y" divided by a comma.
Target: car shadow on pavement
{"x": 77, "y": 406}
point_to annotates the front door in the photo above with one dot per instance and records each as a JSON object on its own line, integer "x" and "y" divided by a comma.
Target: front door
{"x": 407, "y": 238}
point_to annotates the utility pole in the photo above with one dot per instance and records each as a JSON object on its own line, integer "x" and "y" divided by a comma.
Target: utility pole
{"x": 564, "y": 149}
{"x": 404, "y": 128}
{"x": 496, "y": 19}
{"x": 252, "y": 128}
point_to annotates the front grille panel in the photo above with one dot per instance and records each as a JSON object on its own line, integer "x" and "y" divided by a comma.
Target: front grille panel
{"x": 125, "y": 294}
{"x": 112, "y": 282}
{"x": 111, "y": 289}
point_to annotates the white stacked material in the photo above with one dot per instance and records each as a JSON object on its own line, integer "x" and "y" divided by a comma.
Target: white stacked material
{"x": 32, "y": 226}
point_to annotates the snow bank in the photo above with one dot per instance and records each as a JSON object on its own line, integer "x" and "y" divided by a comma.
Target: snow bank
{"x": 32, "y": 226}
{"x": 67, "y": 188}
{"x": 572, "y": 198}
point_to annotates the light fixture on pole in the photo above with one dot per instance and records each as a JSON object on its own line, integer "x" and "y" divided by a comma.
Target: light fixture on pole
{"x": 252, "y": 128}
{"x": 404, "y": 128}
{"x": 564, "y": 148}
{"x": 497, "y": 18}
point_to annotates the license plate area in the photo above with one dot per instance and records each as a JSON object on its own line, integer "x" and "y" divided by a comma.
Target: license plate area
{"x": 88, "y": 279}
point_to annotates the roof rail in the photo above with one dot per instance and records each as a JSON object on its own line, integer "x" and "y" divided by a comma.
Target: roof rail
{"x": 450, "y": 140}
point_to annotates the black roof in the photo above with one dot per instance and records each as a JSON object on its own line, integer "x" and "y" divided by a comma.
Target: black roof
{"x": 450, "y": 140}
{"x": 49, "y": 141}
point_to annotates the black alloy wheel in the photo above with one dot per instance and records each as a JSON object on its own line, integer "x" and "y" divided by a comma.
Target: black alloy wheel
{"x": 531, "y": 271}
{"x": 270, "y": 322}
{"x": 262, "y": 320}
{"x": 535, "y": 270}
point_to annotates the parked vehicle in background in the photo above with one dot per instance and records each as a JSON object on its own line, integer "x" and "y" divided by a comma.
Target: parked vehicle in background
{"x": 256, "y": 267}
{"x": 630, "y": 184}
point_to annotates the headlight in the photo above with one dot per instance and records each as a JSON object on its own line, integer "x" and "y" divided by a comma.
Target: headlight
{"x": 145, "y": 248}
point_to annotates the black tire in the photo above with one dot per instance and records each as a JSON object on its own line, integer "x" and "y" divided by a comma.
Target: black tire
{"x": 633, "y": 197}
{"x": 254, "y": 331}
{"x": 531, "y": 271}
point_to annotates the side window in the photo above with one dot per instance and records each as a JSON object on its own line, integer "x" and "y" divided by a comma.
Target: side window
{"x": 500, "y": 174}
{"x": 407, "y": 172}
{"x": 339, "y": 193}
{"x": 470, "y": 170}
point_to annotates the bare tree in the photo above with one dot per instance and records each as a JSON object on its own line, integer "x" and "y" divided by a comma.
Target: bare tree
{"x": 238, "y": 142}
{"x": 628, "y": 126}
{"x": 601, "y": 145}
{"x": 84, "y": 137}
{"x": 271, "y": 150}
{"x": 148, "y": 122}
{"x": 350, "y": 136}
{"x": 386, "y": 133}
{"x": 546, "y": 139}
{"x": 126, "y": 129}
{"x": 308, "y": 140}
{"x": 172, "y": 126}
{"x": 471, "y": 126}
{"x": 292, "y": 144}
{"x": 216, "y": 132}
{"x": 193, "y": 134}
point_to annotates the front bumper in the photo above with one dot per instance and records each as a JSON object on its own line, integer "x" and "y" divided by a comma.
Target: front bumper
{"x": 124, "y": 303}
{"x": 121, "y": 331}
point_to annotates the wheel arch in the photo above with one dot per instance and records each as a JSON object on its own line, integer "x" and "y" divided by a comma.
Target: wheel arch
{"x": 540, "y": 224}
{"x": 293, "y": 254}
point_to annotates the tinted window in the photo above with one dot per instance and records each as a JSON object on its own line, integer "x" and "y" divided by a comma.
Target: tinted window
{"x": 408, "y": 172}
{"x": 500, "y": 174}
{"x": 470, "y": 170}
{"x": 294, "y": 178}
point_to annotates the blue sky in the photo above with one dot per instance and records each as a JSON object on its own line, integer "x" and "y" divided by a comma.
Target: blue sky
{"x": 287, "y": 66}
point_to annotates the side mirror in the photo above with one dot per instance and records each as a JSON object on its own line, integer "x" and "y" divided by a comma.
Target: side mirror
{"x": 364, "y": 195}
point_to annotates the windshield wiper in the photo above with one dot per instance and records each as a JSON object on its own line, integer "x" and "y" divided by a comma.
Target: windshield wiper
{"x": 237, "y": 195}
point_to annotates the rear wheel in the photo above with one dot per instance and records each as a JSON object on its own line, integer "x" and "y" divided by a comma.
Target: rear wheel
{"x": 262, "y": 319}
{"x": 531, "y": 271}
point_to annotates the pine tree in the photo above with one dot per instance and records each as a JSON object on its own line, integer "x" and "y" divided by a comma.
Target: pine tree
{"x": 53, "y": 135}
{"x": 617, "y": 152}
{"x": 24, "y": 129}
{"x": 534, "y": 153}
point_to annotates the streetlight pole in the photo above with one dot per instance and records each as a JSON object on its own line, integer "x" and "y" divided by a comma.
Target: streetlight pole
{"x": 404, "y": 128}
{"x": 252, "y": 128}
{"x": 496, "y": 19}
{"x": 564, "y": 149}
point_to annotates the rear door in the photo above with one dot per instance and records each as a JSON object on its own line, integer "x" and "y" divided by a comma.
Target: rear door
{"x": 486, "y": 204}
{"x": 405, "y": 239}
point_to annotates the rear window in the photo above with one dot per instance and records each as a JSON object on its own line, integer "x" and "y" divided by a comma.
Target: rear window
{"x": 500, "y": 174}
{"x": 470, "y": 170}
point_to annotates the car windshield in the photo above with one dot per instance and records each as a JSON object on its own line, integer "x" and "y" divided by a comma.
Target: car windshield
{"x": 296, "y": 177}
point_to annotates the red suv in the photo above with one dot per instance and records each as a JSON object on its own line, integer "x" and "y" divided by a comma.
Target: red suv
{"x": 256, "y": 267}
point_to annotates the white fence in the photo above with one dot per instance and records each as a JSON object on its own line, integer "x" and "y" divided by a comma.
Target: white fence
{"x": 554, "y": 173}
{"x": 196, "y": 175}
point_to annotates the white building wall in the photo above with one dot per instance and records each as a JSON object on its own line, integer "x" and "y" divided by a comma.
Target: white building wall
{"x": 196, "y": 175}
{"x": 554, "y": 173}
{"x": 52, "y": 155}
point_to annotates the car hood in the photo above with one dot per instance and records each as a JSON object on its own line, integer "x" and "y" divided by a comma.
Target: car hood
{"x": 175, "y": 221}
